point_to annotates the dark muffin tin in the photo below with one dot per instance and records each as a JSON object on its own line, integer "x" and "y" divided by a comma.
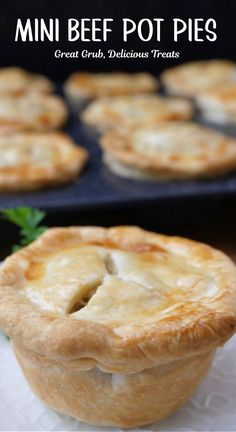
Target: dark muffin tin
{"x": 98, "y": 187}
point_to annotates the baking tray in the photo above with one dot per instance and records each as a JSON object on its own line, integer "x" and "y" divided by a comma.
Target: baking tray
{"x": 98, "y": 187}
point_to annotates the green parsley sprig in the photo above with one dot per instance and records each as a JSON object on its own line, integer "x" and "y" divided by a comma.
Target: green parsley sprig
{"x": 28, "y": 220}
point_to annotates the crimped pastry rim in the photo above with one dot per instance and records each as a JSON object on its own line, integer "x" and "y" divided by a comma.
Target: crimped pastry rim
{"x": 222, "y": 98}
{"x": 65, "y": 168}
{"x": 107, "y": 119}
{"x": 177, "y": 86}
{"x": 78, "y": 85}
{"x": 34, "y": 81}
{"x": 115, "y": 143}
{"x": 53, "y": 115}
{"x": 87, "y": 344}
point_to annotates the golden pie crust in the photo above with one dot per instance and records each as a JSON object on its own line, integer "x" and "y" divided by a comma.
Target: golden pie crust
{"x": 218, "y": 105}
{"x": 116, "y": 326}
{"x": 82, "y": 86}
{"x": 31, "y": 112}
{"x": 171, "y": 150}
{"x": 135, "y": 110}
{"x": 31, "y": 161}
{"x": 15, "y": 81}
{"x": 188, "y": 79}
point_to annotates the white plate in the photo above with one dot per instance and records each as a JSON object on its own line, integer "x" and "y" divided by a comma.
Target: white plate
{"x": 212, "y": 408}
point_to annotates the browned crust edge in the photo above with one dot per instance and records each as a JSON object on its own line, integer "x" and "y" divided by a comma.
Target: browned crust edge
{"x": 86, "y": 344}
{"x": 66, "y": 168}
{"x": 117, "y": 144}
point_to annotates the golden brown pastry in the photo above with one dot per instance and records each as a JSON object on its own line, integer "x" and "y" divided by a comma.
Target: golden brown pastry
{"x": 135, "y": 110}
{"x": 15, "y": 81}
{"x": 170, "y": 150}
{"x": 31, "y": 112}
{"x": 218, "y": 105}
{"x": 116, "y": 326}
{"x": 31, "y": 161}
{"x": 188, "y": 79}
{"x": 82, "y": 86}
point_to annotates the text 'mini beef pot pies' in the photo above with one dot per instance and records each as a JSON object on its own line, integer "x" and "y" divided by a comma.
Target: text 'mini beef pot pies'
{"x": 15, "y": 81}
{"x": 31, "y": 160}
{"x": 135, "y": 110}
{"x": 190, "y": 79}
{"x": 31, "y": 112}
{"x": 170, "y": 150}
{"x": 82, "y": 87}
{"x": 116, "y": 326}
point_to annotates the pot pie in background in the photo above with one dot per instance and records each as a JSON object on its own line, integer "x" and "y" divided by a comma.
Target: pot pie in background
{"x": 118, "y": 326}
{"x": 171, "y": 150}
{"x": 219, "y": 104}
{"x": 135, "y": 110}
{"x": 15, "y": 81}
{"x": 81, "y": 87}
{"x": 190, "y": 79}
{"x": 31, "y": 161}
{"x": 32, "y": 112}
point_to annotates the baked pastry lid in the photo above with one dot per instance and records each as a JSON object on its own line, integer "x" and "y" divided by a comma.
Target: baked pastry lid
{"x": 119, "y": 146}
{"x": 85, "y": 344}
{"x": 99, "y": 189}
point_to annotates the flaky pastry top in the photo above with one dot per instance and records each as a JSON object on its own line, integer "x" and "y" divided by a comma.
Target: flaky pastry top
{"x": 178, "y": 148}
{"x": 15, "y": 81}
{"x": 31, "y": 112}
{"x": 30, "y": 160}
{"x": 91, "y": 85}
{"x": 191, "y": 78}
{"x": 224, "y": 95}
{"x": 128, "y": 111}
{"x": 120, "y": 298}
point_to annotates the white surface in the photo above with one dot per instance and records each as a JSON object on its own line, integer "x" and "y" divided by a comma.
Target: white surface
{"x": 212, "y": 408}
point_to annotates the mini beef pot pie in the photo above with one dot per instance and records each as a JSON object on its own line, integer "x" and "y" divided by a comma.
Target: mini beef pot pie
{"x": 219, "y": 104}
{"x": 189, "y": 79}
{"x": 173, "y": 150}
{"x": 116, "y": 326}
{"x": 32, "y": 112}
{"x": 81, "y": 86}
{"x": 135, "y": 110}
{"x": 31, "y": 161}
{"x": 15, "y": 81}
